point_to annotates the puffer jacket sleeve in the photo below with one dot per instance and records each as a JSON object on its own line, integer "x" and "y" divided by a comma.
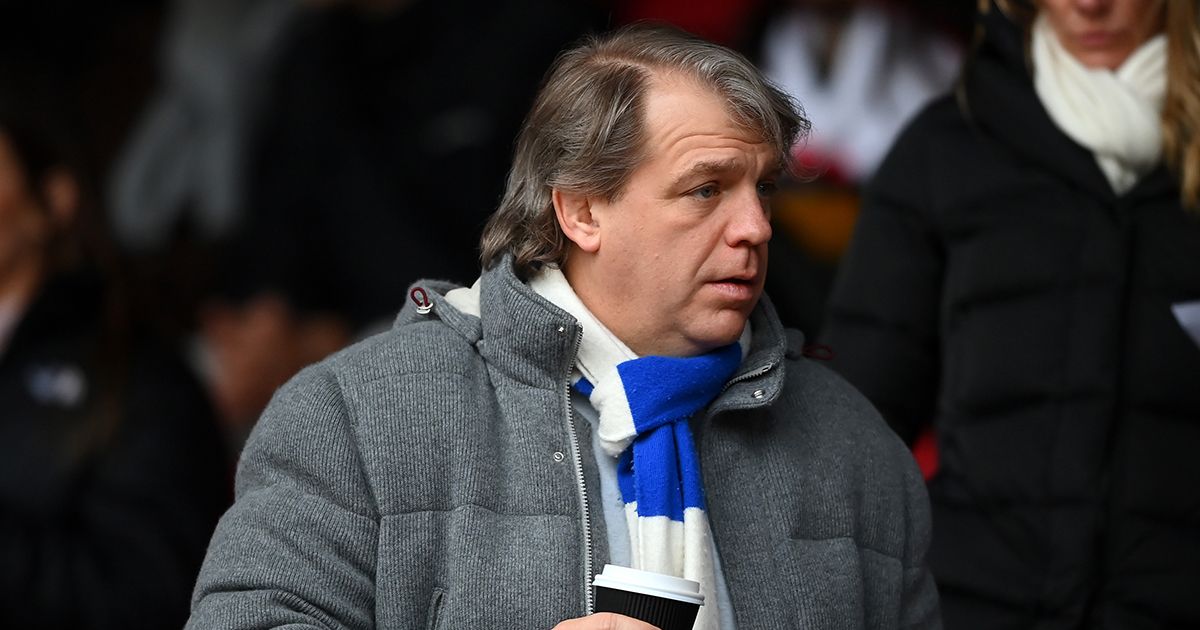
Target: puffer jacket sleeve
{"x": 882, "y": 318}
{"x": 298, "y": 546}
{"x": 920, "y": 607}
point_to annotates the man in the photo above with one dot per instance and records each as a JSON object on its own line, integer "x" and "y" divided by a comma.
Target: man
{"x": 611, "y": 390}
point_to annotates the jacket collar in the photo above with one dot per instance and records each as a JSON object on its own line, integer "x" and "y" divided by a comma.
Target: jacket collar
{"x": 759, "y": 380}
{"x": 527, "y": 337}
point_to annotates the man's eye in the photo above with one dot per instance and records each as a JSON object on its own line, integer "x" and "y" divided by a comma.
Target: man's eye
{"x": 707, "y": 191}
{"x": 767, "y": 189}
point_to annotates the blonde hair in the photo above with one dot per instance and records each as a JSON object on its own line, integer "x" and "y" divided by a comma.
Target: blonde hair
{"x": 1181, "y": 108}
{"x": 1181, "y": 111}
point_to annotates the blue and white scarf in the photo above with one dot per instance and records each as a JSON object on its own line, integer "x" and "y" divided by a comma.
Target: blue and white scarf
{"x": 644, "y": 404}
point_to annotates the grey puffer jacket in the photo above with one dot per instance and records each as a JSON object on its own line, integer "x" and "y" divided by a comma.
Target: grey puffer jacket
{"x": 434, "y": 476}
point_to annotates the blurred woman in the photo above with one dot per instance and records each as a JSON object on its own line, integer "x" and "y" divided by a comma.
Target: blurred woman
{"x": 111, "y": 467}
{"x": 1015, "y": 280}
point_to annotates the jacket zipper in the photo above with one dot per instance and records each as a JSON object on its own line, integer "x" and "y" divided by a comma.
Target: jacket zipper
{"x": 748, "y": 375}
{"x": 580, "y": 486}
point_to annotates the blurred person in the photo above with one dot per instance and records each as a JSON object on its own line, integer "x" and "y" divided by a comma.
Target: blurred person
{"x": 112, "y": 473}
{"x": 1014, "y": 280}
{"x": 177, "y": 192}
{"x": 381, "y": 140}
{"x": 185, "y": 161}
{"x": 863, "y": 69}
{"x": 612, "y": 389}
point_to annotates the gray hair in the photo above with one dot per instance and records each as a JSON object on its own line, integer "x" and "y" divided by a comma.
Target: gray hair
{"x": 585, "y": 133}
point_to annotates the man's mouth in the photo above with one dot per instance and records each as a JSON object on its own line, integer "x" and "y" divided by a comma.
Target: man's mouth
{"x": 739, "y": 287}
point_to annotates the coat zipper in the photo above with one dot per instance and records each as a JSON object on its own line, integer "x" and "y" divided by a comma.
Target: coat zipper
{"x": 748, "y": 375}
{"x": 580, "y": 485}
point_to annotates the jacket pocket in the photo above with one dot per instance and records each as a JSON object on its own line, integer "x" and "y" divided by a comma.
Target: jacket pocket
{"x": 836, "y": 585}
{"x": 435, "y": 607}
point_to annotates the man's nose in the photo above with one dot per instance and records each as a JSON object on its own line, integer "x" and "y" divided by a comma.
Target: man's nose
{"x": 751, "y": 223}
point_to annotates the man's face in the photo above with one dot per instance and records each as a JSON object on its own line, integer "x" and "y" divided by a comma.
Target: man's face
{"x": 1103, "y": 33}
{"x": 682, "y": 251}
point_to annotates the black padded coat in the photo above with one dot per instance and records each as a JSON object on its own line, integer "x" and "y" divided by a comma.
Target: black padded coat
{"x": 112, "y": 472}
{"x": 998, "y": 288}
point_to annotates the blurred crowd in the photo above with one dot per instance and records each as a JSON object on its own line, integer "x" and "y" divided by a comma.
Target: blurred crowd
{"x": 266, "y": 177}
{"x": 200, "y": 197}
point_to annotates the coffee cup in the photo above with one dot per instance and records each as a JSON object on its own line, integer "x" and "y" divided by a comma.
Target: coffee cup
{"x": 665, "y": 601}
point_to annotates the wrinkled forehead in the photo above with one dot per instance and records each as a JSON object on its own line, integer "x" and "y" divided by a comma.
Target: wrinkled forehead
{"x": 677, "y": 93}
{"x": 677, "y": 81}
{"x": 690, "y": 129}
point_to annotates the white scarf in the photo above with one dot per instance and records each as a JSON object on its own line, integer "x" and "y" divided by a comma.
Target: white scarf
{"x": 1114, "y": 114}
{"x": 679, "y": 545}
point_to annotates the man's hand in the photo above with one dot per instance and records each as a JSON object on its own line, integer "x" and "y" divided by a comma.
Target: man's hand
{"x": 604, "y": 621}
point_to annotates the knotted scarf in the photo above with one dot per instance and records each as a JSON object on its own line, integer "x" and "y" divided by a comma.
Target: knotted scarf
{"x": 1115, "y": 114}
{"x": 644, "y": 404}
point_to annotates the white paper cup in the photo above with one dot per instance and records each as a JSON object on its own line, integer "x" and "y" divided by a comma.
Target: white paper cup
{"x": 665, "y": 601}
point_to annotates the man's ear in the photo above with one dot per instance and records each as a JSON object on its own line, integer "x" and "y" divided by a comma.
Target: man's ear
{"x": 574, "y": 214}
